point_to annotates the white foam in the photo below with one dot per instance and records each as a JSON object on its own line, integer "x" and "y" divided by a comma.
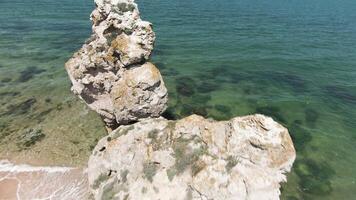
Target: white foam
{"x": 6, "y": 166}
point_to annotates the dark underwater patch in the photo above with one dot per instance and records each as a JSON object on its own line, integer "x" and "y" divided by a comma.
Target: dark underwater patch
{"x": 201, "y": 99}
{"x": 220, "y": 70}
{"x": 187, "y": 110}
{"x": 20, "y": 108}
{"x": 224, "y": 113}
{"x": 5, "y": 130}
{"x": 170, "y": 72}
{"x": 42, "y": 115}
{"x": 157, "y": 52}
{"x": 11, "y": 94}
{"x": 6, "y": 80}
{"x": 311, "y": 117}
{"x": 291, "y": 198}
{"x": 216, "y": 74}
{"x": 247, "y": 90}
{"x": 208, "y": 86}
{"x": 44, "y": 57}
{"x": 185, "y": 86}
{"x": 170, "y": 114}
{"x": 160, "y": 65}
{"x": 272, "y": 111}
{"x": 293, "y": 81}
{"x": 29, "y": 73}
{"x": 341, "y": 93}
{"x": 300, "y": 136}
{"x": 314, "y": 177}
{"x": 296, "y": 82}
{"x": 222, "y": 108}
{"x": 29, "y": 138}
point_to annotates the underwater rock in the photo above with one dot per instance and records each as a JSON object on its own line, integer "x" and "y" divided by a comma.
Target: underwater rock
{"x": 189, "y": 109}
{"x": 273, "y": 111}
{"x": 29, "y": 137}
{"x": 208, "y": 86}
{"x": 300, "y": 135}
{"x": 20, "y": 108}
{"x": 185, "y": 86}
{"x": 314, "y": 177}
{"x": 6, "y": 80}
{"x": 29, "y": 73}
{"x": 341, "y": 93}
{"x": 311, "y": 117}
{"x": 193, "y": 158}
{"x": 119, "y": 47}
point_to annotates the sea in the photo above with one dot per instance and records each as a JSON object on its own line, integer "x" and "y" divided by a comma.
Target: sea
{"x": 293, "y": 60}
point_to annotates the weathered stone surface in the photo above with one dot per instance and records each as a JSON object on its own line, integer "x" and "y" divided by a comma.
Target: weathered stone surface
{"x": 192, "y": 158}
{"x": 120, "y": 46}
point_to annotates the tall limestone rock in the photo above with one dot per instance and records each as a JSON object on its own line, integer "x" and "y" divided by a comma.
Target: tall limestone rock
{"x": 111, "y": 72}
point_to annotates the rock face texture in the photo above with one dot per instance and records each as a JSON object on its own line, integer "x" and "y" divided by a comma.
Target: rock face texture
{"x": 192, "y": 158}
{"x": 111, "y": 72}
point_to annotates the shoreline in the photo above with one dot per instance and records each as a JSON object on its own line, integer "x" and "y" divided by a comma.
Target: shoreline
{"x": 18, "y": 181}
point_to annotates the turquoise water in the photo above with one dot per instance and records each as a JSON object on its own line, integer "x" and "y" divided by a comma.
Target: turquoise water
{"x": 294, "y": 60}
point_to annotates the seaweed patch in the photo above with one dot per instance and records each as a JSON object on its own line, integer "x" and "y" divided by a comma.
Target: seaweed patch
{"x": 29, "y": 73}
{"x": 170, "y": 114}
{"x": 314, "y": 177}
{"x": 273, "y": 111}
{"x": 208, "y": 86}
{"x": 6, "y": 80}
{"x": 341, "y": 93}
{"x": 20, "y": 108}
{"x": 311, "y": 117}
{"x": 29, "y": 138}
{"x": 300, "y": 136}
{"x": 185, "y": 86}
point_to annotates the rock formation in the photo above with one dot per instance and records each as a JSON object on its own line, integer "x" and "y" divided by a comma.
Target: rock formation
{"x": 111, "y": 72}
{"x": 154, "y": 158}
{"x": 193, "y": 158}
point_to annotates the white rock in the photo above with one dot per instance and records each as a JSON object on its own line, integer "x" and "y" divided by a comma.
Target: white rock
{"x": 193, "y": 158}
{"x": 120, "y": 45}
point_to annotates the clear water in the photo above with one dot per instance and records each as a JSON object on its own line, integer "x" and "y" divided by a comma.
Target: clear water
{"x": 294, "y": 60}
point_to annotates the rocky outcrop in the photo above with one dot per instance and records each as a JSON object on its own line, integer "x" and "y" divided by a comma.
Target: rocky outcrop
{"x": 111, "y": 72}
{"x": 192, "y": 158}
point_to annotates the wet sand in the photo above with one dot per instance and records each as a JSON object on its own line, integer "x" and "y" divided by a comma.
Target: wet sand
{"x": 24, "y": 182}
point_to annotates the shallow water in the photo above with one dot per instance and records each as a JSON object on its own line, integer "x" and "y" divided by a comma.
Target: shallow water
{"x": 29, "y": 182}
{"x": 293, "y": 60}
